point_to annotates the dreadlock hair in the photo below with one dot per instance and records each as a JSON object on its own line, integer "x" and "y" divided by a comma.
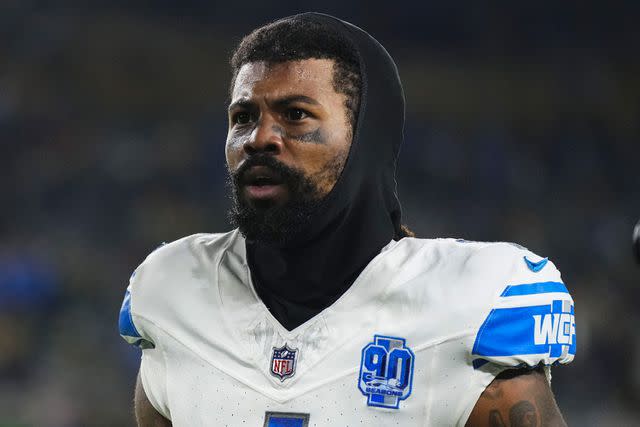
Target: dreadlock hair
{"x": 405, "y": 231}
{"x": 296, "y": 39}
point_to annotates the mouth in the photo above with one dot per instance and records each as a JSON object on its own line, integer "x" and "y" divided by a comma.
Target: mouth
{"x": 261, "y": 183}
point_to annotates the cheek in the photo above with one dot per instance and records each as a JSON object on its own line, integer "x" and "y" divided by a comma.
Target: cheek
{"x": 327, "y": 175}
{"x": 329, "y": 144}
{"x": 337, "y": 133}
{"x": 233, "y": 149}
{"x": 338, "y": 144}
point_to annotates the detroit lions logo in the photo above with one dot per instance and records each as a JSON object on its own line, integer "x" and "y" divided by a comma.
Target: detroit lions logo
{"x": 386, "y": 372}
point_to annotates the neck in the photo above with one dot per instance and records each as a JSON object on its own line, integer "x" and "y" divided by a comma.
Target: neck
{"x": 296, "y": 283}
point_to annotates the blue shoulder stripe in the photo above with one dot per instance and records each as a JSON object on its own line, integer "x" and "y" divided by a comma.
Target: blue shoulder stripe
{"x": 534, "y": 288}
{"x": 534, "y": 330}
{"x": 125, "y": 323}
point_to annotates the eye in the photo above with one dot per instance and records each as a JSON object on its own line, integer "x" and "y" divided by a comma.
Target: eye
{"x": 295, "y": 114}
{"x": 241, "y": 118}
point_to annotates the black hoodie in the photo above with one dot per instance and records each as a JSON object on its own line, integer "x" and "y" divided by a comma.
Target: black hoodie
{"x": 361, "y": 215}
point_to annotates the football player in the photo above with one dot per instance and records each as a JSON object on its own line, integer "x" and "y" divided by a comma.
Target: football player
{"x": 321, "y": 308}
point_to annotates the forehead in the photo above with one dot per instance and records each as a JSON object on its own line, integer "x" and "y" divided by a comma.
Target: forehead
{"x": 310, "y": 77}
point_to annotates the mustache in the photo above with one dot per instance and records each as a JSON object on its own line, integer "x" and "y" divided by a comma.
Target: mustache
{"x": 285, "y": 173}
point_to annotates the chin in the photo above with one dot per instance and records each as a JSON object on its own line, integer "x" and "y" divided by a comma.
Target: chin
{"x": 263, "y": 204}
{"x": 271, "y": 220}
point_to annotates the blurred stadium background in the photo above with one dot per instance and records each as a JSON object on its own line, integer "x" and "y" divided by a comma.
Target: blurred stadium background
{"x": 522, "y": 125}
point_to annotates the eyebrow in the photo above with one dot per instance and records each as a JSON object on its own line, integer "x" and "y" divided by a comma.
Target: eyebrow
{"x": 288, "y": 100}
{"x": 280, "y": 102}
{"x": 241, "y": 103}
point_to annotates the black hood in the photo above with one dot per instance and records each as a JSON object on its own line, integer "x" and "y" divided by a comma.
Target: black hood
{"x": 359, "y": 216}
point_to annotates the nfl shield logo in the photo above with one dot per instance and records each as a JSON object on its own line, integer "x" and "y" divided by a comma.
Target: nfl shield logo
{"x": 283, "y": 362}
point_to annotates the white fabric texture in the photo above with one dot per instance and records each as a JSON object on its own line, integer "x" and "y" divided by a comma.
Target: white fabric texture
{"x": 214, "y": 338}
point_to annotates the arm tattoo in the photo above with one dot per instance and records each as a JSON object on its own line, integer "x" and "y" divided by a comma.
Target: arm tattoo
{"x": 517, "y": 398}
{"x": 495, "y": 419}
{"x": 523, "y": 414}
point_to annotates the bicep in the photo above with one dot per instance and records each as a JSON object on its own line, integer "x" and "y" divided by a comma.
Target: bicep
{"x": 146, "y": 414}
{"x": 517, "y": 398}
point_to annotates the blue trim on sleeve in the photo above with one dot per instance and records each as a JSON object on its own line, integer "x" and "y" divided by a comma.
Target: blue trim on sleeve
{"x": 125, "y": 323}
{"x": 534, "y": 288}
{"x": 533, "y": 330}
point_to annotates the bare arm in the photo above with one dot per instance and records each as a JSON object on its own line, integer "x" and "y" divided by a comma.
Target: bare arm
{"x": 517, "y": 398}
{"x": 146, "y": 414}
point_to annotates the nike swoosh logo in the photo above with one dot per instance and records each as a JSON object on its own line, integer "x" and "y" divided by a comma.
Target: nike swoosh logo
{"x": 536, "y": 266}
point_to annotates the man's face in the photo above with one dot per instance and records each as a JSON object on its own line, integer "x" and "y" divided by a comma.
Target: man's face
{"x": 288, "y": 141}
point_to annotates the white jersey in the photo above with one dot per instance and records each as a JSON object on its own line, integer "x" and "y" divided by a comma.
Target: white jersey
{"x": 414, "y": 341}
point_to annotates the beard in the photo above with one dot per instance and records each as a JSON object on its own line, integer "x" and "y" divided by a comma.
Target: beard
{"x": 271, "y": 222}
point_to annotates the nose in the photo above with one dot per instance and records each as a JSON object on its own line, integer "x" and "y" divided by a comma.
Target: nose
{"x": 265, "y": 138}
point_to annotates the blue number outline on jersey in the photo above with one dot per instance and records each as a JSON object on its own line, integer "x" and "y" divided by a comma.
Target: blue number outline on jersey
{"x": 285, "y": 419}
{"x": 380, "y": 347}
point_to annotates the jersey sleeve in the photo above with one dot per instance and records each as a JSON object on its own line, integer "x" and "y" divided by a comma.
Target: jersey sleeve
{"x": 128, "y": 330}
{"x": 138, "y": 331}
{"x": 531, "y": 320}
